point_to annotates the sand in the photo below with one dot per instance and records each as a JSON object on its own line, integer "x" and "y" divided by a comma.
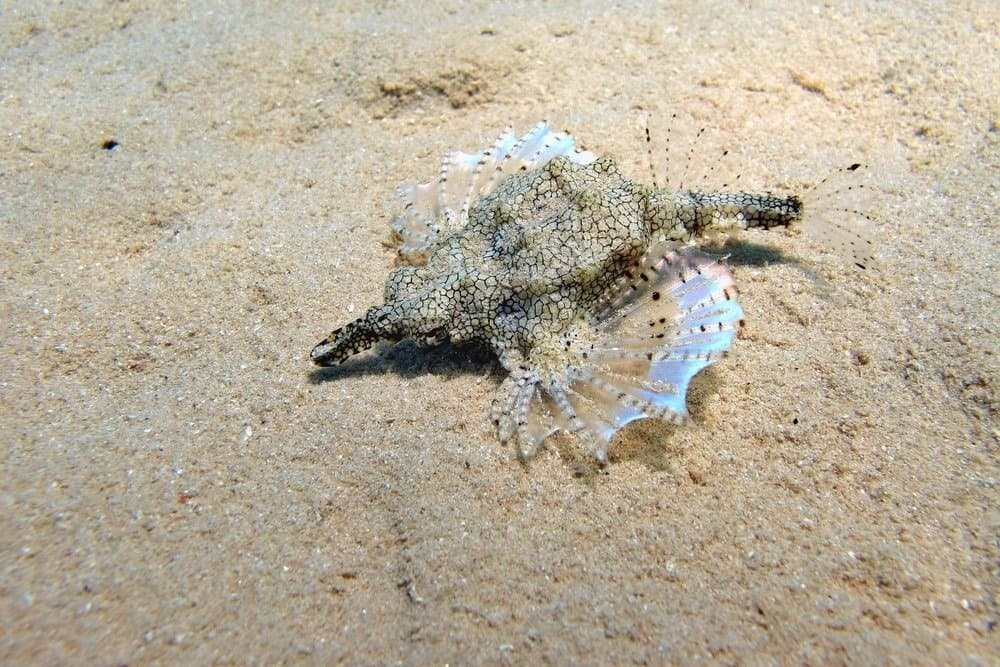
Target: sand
{"x": 192, "y": 196}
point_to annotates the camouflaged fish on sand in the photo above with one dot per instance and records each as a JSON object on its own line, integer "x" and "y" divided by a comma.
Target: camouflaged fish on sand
{"x": 581, "y": 281}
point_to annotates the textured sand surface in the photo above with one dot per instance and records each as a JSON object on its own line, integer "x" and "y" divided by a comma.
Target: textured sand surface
{"x": 179, "y": 485}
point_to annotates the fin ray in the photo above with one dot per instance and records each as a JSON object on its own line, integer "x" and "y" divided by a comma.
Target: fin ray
{"x": 432, "y": 210}
{"x": 637, "y": 354}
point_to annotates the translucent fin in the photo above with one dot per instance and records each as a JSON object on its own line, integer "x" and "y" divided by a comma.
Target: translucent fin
{"x": 687, "y": 160}
{"x": 677, "y": 316}
{"x": 836, "y": 213}
{"x": 655, "y": 330}
{"x": 443, "y": 205}
{"x": 521, "y": 410}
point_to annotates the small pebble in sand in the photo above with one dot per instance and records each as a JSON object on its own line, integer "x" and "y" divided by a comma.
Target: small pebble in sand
{"x": 583, "y": 283}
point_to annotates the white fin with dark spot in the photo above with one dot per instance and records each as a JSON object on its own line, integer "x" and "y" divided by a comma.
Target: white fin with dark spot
{"x": 674, "y": 315}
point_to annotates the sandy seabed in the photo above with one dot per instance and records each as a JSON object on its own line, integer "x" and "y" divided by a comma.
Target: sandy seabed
{"x": 193, "y": 194}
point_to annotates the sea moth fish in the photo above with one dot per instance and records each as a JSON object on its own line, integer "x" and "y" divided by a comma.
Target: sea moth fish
{"x": 585, "y": 284}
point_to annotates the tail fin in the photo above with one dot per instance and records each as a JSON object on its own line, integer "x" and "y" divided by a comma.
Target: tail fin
{"x": 835, "y": 212}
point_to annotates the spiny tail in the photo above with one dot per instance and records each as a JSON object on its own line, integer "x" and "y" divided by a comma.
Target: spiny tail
{"x": 833, "y": 212}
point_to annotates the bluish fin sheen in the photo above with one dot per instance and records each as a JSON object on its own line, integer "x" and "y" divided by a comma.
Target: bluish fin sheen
{"x": 675, "y": 315}
{"x": 678, "y": 315}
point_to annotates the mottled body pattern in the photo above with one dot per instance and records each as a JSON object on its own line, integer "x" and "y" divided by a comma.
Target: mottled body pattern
{"x": 578, "y": 278}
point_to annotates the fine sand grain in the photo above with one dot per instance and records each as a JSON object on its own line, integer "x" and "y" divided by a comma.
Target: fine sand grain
{"x": 192, "y": 196}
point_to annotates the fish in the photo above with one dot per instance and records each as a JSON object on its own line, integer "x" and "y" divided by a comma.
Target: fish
{"x": 589, "y": 287}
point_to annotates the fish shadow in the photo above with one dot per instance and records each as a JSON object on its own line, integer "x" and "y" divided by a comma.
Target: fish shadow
{"x": 740, "y": 252}
{"x": 408, "y": 359}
